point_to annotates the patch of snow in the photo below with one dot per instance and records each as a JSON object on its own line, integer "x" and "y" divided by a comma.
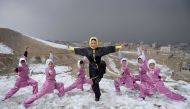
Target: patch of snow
{"x": 112, "y": 65}
{"x": 111, "y": 71}
{"x": 129, "y": 52}
{"x": 52, "y": 44}
{"x": 4, "y": 49}
{"x": 40, "y": 68}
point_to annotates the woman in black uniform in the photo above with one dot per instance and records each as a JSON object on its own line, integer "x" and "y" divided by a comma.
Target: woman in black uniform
{"x": 97, "y": 67}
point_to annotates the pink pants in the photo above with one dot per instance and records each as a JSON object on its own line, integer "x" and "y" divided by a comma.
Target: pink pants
{"x": 20, "y": 83}
{"x": 148, "y": 89}
{"x": 47, "y": 87}
{"x": 127, "y": 81}
{"x": 164, "y": 90}
{"x": 78, "y": 84}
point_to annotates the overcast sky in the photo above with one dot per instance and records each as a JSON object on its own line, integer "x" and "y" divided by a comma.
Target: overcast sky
{"x": 76, "y": 20}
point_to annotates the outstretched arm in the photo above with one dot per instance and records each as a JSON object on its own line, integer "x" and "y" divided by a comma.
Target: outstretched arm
{"x": 78, "y": 51}
{"x": 140, "y": 52}
{"x": 51, "y": 55}
{"x": 17, "y": 69}
{"x": 143, "y": 55}
{"x": 110, "y": 49}
{"x": 26, "y": 52}
{"x": 120, "y": 56}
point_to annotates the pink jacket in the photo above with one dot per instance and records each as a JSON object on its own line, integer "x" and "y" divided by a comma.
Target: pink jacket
{"x": 125, "y": 71}
{"x": 23, "y": 72}
{"x": 154, "y": 75}
{"x": 81, "y": 73}
{"x": 50, "y": 74}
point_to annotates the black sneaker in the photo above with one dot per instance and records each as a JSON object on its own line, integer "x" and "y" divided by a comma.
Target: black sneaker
{"x": 97, "y": 99}
{"x": 184, "y": 99}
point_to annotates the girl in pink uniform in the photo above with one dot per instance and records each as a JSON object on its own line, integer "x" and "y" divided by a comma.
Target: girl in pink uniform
{"x": 49, "y": 85}
{"x": 22, "y": 80}
{"x": 142, "y": 68}
{"x": 152, "y": 82}
{"x": 125, "y": 77}
{"x": 80, "y": 77}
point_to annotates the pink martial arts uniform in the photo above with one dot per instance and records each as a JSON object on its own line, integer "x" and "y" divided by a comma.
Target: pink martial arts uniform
{"x": 152, "y": 82}
{"x": 80, "y": 80}
{"x": 125, "y": 78}
{"x": 22, "y": 80}
{"x": 48, "y": 87}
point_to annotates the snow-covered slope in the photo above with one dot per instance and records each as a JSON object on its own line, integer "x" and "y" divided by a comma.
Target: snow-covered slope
{"x": 50, "y": 43}
{"x": 5, "y": 49}
{"x": 77, "y": 99}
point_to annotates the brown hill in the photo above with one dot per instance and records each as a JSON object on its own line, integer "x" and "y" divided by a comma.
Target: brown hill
{"x": 18, "y": 42}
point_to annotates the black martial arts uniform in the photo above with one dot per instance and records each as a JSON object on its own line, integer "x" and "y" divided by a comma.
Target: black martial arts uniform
{"x": 97, "y": 67}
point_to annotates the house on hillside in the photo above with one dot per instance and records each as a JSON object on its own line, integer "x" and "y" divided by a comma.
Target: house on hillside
{"x": 165, "y": 49}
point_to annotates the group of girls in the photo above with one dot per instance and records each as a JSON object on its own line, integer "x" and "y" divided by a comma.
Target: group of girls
{"x": 147, "y": 82}
{"x": 23, "y": 80}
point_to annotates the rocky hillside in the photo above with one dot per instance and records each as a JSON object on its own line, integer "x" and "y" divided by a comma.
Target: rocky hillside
{"x": 37, "y": 50}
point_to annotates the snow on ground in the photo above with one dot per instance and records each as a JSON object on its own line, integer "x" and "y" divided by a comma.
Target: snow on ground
{"x": 40, "y": 68}
{"x": 77, "y": 99}
{"x": 165, "y": 71}
{"x": 5, "y": 49}
{"x": 129, "y": 52}
{"x": 112, "y": 65}
{"x": 108, "y": 70}
{"x": 61, "y": 46}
